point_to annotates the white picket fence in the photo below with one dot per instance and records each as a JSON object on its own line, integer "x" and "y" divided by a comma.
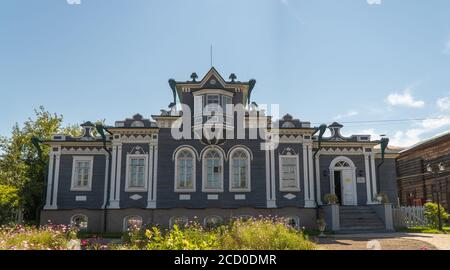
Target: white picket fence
{"x": 409, "y": 216}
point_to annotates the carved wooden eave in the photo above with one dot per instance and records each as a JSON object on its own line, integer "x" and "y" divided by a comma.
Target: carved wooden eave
{"x": 114, "y": 130}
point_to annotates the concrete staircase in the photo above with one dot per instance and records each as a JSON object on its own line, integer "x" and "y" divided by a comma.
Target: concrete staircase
{"x": 359, "y": 219}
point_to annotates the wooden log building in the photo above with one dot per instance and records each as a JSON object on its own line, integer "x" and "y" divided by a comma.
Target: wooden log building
{"x": 416, "y": 185}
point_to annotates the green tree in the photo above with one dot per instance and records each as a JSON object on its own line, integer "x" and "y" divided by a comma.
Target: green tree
{"x": 431, "y": 213}
{"x": 9, "y": 201}
{"x": 20, "y": 165}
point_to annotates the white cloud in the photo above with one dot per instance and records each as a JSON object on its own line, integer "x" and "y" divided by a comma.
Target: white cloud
{"x": 415, "y": 135}
{"x": 404, "y": 99}
{"x": 284, "y": 2}
{"x": 406, "y": 138}
{"x": 345, "y": 115}
{"x": 73, "y": 2}
{"x": 447, "y": 48}
{"x": 374, "y": 2}
{"x": 443, "y": 103}
{"x": 435, "y": 123}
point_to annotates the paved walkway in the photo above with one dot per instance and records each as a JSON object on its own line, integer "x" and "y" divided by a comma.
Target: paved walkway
{"x": 386, "y": 241}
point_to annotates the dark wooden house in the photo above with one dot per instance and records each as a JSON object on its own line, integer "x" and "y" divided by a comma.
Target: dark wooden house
{"x": 417, "y": 185}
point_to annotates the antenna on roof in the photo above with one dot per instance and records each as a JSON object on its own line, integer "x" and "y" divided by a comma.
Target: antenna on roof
{"x": 211, "y": 55}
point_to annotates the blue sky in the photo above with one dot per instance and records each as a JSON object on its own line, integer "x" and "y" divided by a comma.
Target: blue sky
{"x": 321, "y": 60}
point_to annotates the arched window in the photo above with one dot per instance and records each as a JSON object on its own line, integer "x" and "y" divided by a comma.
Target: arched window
{"x": 240, "y": 171}
{"x": 185, "y": 171}
{"x": 213, "y": 171}
{"x": 179, "y": 221}
{"x": 79, "y": 221}
{"x": 132, "y": 222}
{"x": 292, "y": 221}
{"x": 212, "y": 221}
{"x": 342, "y": 164}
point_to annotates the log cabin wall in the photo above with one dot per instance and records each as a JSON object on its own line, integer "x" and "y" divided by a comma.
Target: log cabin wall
{"x": 416, "y": 186}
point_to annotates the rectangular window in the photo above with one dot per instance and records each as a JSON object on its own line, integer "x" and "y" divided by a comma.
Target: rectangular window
{"x": 136, "y": 173}
{"x": 82, "y": 173}
{"x": 226, "y": 101}
{"x": 289, "y": 178}
{"x": 212, "y": 102}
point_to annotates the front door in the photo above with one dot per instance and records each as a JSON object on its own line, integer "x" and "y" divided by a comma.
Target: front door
{"x": 348, "y": 190}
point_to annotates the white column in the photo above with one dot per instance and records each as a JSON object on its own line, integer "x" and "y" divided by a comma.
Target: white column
{"x": 112, "y": 192}
{"x": 49, "y": 181}
{"x": 268, "y": 181}
{"x": 305, "y": 173}
{"x": 367, "y": 169}
{"x": 118, "y": 175}
{"x": 155, "y": 173}
{"x": 311, "y": 175}
{"x": 272, "y": 173}
{"x": 105, "y": 191}
{"x": 150, "y": 201}
{"x": 319, "y": 196}
{"x": 56, "y": 182}
{"x": 374, "y": 175}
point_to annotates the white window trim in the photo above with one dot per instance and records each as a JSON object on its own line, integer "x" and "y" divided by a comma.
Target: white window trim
{"x": 231, "y": 175}
{"x": 205, "y": 174}
{"x": 128, "y": 172}
{"x": 194, "y": 172}
{"x": 73, "y": 186}
{"x": 280, "y": 172}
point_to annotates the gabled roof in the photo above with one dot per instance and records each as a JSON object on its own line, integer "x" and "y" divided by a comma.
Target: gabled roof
{"x": 212, "y": 80}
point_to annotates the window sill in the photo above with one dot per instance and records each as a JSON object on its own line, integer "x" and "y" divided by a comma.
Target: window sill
{"x": 136, "y": 190}
{"x": 184, "y": 190}
{"x": 240, "y": 190}
{"x": 290, "y": 190}
{"x": 212, "y": 190}
{"x": 81, "y": 189}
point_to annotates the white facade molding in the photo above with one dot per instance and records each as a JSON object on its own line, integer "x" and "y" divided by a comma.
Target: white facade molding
{"x": 194, "y": 171}
{"x": 73, "y": 186}
{"x": 305, "y": 172}
{"x": 155, "y": 173}
{"x": 317, "y": 178}
{"x": 341, "y": 151}
{"x": 81, "y": 151}
{"x": 248, "y": 171}
{"x": 48, "y": 203}
{"x": 105, "y": 190}
{"x": 112, "y": 202}
{"x": 311, "y": 174}
{"x": 56, "y": 181}
{"x": 150, "y": 202}
{"x": 367, "y": 170}
{"x": 374, "y": 176}
{"x": 128, "y": 188}
{"x": 297, "y": 174}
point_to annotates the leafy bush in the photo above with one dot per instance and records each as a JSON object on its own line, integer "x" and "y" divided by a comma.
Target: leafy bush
{"x": 9, "y": 201}
{"x": 48, "y": 237}
{"x": 263, "y": 234}
{"x": 431, "y": 213}
{"x": 331, "y": 198}
{"x": 253, "y": 234}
